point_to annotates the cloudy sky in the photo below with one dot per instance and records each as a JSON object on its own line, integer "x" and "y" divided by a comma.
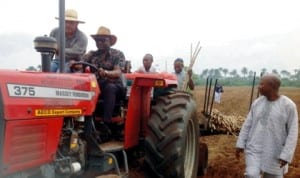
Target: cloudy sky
{"x": 233, "y": 33}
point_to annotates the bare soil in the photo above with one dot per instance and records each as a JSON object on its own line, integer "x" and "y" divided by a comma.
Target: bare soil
{"x": 221, "y": 160}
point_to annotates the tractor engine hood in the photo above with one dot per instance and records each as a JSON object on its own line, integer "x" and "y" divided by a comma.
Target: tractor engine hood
{"x": 33, "y": 106}
{"x": 35, "y": 95}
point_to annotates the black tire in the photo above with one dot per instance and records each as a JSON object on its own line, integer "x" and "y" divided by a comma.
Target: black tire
{"x": 171, "y": 145}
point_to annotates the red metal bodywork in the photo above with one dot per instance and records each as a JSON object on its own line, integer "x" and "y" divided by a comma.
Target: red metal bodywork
{"x": 139, "y": 103}
{"x": 33, "y": 105}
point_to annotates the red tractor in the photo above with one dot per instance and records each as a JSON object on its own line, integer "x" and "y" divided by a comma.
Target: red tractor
{"x": 45, "y": 117}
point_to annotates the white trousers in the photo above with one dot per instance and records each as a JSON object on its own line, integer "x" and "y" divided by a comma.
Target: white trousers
{"x": 253, "y": 167}
{"x": 217, "y": 97}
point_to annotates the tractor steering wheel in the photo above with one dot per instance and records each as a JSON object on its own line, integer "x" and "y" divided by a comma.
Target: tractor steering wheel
{"x": 92, "y": 68}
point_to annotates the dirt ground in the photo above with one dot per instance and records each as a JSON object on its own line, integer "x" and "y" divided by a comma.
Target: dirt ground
{"x": 221, "y": 159}
{"x": 222, "y": 162}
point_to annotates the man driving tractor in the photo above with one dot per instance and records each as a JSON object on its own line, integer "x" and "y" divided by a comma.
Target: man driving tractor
{"x": 108, "y": 61}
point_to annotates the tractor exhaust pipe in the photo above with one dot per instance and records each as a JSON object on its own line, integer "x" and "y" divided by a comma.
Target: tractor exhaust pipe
{"x": 47, "y": 47}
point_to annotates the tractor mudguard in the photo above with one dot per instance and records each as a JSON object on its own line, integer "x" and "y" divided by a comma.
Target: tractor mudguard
{"x": 139, "y": 102}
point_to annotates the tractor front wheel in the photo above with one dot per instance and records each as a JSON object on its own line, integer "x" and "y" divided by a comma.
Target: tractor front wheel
{"x": 171, "y": 144}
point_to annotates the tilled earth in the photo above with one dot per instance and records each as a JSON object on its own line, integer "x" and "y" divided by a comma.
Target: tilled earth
{"x": 222, "y": 162}
{"x": 221, "y": 157}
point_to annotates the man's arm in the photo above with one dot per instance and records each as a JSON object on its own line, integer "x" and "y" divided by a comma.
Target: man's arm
{"x": 243, "y": 135}
{"x": 244, "y": 132}
{"x": 288, "y": 150}
{"x": 116, "y": 72}
{"x": 190, "y": 82}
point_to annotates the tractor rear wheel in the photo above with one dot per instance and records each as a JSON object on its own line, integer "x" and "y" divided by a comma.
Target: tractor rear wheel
{"x": 171, "y": 144}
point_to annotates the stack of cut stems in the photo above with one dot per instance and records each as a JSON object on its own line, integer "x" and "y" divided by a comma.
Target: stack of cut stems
{"x": 230, "y": 124}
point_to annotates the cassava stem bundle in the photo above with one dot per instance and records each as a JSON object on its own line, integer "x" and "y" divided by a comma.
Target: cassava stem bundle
{"x": 193, "y": 58}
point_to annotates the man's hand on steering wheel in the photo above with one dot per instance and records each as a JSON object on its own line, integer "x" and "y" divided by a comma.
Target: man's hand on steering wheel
{"x": 102, "y": 72}
{"x": 83, "y": 67}
{"x": 75, "y": 66}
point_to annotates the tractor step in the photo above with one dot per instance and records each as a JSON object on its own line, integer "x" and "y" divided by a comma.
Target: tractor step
{"x": 112, "y": 146}
{"x": 109, "y": 148}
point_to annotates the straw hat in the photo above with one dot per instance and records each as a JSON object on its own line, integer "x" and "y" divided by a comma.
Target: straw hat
{"x": 71, "y": 15}
{"x": 105, "y": 32}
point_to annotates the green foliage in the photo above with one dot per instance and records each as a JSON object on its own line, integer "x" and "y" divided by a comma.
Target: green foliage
{"x": 31, "y": 68}
{"x": 232, "y": 78}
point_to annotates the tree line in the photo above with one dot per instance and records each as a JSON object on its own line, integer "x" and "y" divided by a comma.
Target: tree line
{"x": 245, "y": 76}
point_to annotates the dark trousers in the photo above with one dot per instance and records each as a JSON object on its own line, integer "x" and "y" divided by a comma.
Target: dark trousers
{"x": 109, "y": 92}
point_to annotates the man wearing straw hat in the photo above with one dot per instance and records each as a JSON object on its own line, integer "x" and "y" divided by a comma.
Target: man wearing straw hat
{"x": 75, "y": 43}
{"x": 108, "y": 61}
{"x": 180, "y": 73}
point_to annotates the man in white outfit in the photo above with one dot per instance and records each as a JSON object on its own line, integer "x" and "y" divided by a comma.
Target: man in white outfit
{"x": 270, "y": 132}
{"x": 147, "y": 65}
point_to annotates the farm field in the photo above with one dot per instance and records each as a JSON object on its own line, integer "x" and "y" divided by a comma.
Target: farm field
{"x": 221, "y": 159}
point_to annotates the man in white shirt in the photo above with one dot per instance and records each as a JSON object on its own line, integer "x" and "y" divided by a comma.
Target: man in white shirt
{"x": 270, "y": 132}
{"x": 147, "y": 65}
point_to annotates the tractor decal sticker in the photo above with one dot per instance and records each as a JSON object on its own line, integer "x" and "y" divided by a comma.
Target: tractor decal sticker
{"x": 57, "y": 112}
{"x": 31, "y": 91}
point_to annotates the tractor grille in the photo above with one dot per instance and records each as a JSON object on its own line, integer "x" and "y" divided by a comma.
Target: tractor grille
{"x": 28, "y": 143}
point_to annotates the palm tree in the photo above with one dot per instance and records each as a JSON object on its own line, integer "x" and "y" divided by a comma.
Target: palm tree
{"x": 285, "y": 74}
{"x": 250, "y": 73}
{"x": 233, "y": 73}
{"x": 263, "y": 71}
{"x": 217, "y": 73}
{"x": 225, "y": 72}
{"x": 211, "y": 72}
{"x": 204, "y": 73}
{"x": 244, "y": 71}
{"x": 274, "y": 71}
